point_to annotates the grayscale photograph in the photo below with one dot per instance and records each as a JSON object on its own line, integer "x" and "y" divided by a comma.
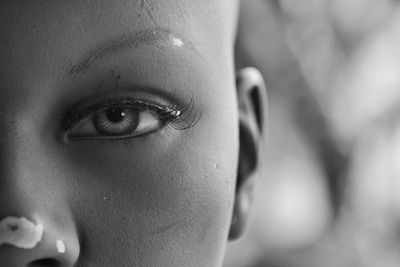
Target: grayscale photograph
{"x": 199, "y": 133}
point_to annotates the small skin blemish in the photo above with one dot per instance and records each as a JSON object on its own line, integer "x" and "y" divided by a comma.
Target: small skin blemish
{"x": 165, "y": 227}
{"x": 20, "y": 232}
{"x": 177, "y": 42}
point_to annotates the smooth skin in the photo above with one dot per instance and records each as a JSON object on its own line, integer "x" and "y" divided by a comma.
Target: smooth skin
{"x": 170, "y": 197}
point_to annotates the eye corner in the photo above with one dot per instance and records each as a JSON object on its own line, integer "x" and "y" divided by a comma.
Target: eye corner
{"x": 73, "y": 117}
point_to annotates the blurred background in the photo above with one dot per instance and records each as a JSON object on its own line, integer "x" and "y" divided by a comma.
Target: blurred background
{"x": 330, "y": 193}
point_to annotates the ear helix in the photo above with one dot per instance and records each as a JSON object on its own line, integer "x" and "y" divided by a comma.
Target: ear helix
{"x": 252, "y": 101}
{"x": 251, "y": 87}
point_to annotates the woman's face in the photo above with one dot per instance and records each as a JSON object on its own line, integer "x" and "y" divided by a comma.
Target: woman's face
{"x": 118, "y": 130}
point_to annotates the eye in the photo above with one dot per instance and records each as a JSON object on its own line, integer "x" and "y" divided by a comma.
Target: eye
{"x": 116, "y": 122}
{"x": 125, "y": 117}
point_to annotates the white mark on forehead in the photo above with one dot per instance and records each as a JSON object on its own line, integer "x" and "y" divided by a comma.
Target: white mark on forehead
{"x": 60, "y": 246}
{"x": 177, "y": 42}
{"x": 20, "y": 232}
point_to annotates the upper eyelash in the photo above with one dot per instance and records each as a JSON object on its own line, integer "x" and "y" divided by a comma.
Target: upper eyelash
{"x": 179, "y": 118}
{"x": 186, "y": 118}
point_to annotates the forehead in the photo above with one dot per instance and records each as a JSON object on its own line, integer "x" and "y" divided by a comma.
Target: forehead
{"x": 43, "y": 40}
{"x": 69, "y": 27}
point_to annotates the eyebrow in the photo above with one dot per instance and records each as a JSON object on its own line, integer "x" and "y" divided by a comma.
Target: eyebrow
{"x": 116, "y": 45}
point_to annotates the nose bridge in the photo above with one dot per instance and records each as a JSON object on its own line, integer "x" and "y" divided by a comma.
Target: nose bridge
{"x": 19, "y": 154}
{"x": 42, "y": 231}
{"x": 27, "y": 182}
{"x": 27, "y": 172}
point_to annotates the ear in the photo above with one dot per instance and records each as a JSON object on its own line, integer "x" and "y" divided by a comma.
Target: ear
{"x": 252, "y": 97}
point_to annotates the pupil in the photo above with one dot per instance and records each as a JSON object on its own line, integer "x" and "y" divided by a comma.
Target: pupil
{"x": 115, "y": 115}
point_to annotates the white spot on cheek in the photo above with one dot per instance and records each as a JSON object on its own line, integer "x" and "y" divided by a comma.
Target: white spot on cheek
{"x": 60, "y": 246}
{"x": 20, "y": 232}
{"x": 177, "y": 42}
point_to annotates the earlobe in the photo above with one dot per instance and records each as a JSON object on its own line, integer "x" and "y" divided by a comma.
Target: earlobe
{"x": 252, "y": 100}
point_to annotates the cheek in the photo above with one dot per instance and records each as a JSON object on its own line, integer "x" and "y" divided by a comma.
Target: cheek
{"x": 158, "y": 195}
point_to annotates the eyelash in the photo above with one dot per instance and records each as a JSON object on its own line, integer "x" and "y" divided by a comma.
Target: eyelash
{"x": 178, "y": 119}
